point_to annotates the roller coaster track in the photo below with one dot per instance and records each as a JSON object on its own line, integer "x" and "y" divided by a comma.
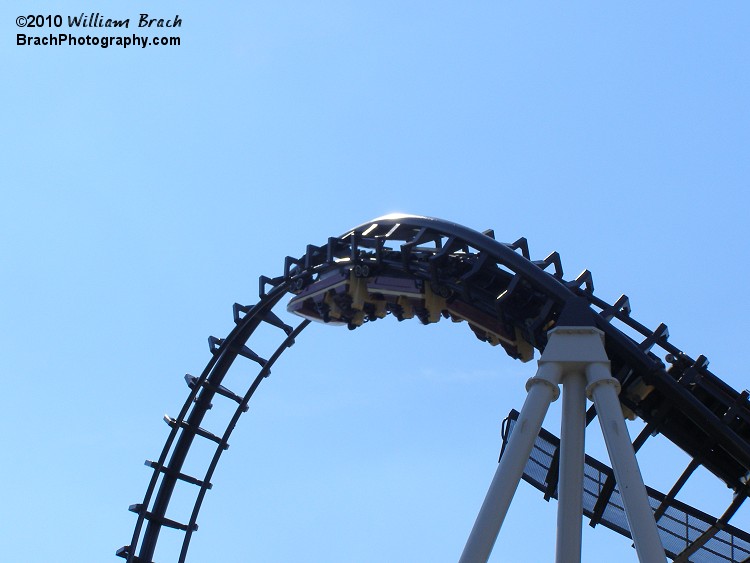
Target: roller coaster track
{"x": 508, "y": 299}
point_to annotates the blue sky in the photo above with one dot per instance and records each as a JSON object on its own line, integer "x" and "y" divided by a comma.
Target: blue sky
{"x": 145, "y": 190}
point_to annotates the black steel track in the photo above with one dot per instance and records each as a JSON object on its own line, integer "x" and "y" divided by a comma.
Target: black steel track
{"x": 674, "y": 393}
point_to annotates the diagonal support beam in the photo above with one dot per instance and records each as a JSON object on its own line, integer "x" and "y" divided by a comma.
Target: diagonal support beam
{"x": 713, "y": 530}
{"x": 603, "y": 390}
{"x": 542, "y": 390}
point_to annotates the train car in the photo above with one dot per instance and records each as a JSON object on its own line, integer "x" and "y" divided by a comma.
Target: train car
{"x": 348, "y": 296}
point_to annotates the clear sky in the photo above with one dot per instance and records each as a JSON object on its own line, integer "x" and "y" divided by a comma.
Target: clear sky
{"x": 145, "y": 190}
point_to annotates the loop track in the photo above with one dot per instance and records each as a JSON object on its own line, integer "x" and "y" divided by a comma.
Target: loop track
{"x": 486, "y": 282}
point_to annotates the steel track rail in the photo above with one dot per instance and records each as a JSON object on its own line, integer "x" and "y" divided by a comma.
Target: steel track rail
{"x": 683, "y": 401}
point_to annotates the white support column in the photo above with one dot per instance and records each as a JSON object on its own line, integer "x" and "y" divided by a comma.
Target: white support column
{"x": 603, "y": 390}
{"x": 570, "y": 352}
{"x": 542, "y": 390}
{"x": 572, "y": 459}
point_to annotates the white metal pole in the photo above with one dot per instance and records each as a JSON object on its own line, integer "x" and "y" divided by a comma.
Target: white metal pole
{"x": 542, "y": 390}
{"x": 603, "y": 390}
{"x": 572, "y": 458}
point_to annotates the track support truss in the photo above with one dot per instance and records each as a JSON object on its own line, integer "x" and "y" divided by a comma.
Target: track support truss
{"x": 574, "y": 357}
